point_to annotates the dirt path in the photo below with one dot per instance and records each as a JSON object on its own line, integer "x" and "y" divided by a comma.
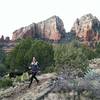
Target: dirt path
{"x": 25, "y": 93}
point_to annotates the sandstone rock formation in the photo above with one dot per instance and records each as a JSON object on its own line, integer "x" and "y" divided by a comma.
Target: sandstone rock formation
{"x": 2, "y": 40}
{"x": 87, "y": 28}
{"x": 50, "y": 29}
{"x": 6, "y": 44}
{"x": 28, "y": 31}
{"x": 7, "y": 39}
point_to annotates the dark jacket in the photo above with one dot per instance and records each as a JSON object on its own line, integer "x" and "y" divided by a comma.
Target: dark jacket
{"x": 35, "y": 68}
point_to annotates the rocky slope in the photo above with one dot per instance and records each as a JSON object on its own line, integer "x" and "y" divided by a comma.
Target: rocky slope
{"x": 53, "y": 87}
{"x": 87, "y": 28}
{"x": 50, "y": 29}
{"x": 36, "y": 92}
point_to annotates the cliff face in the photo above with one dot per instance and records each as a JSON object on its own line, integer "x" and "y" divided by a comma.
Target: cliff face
{"x": 87, "y": 28}
{"x": 28, "y": 31}
{"x": 51, "y": 29}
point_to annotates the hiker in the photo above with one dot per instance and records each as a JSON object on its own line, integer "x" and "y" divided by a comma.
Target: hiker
{"x": 34, "y": 68}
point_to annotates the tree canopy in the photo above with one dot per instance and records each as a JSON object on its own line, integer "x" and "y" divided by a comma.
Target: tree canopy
{"x": 21, "y": 56}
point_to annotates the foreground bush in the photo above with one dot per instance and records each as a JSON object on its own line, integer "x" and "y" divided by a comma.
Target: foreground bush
{"x": 22, "y": 78}
{"x": 6, "y": 82}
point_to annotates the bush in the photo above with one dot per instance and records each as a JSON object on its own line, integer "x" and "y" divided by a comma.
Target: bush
{"x": 43, "y": 52}
{"x": 92, "y": 75}
{"x": 89, "y": 52}
{"x": 6, "y": 82}
{"x": 70, "y": 58}
{"x": 18, "y": 79}
{"x": 22, "y": 78}
{"x": 97, "y": 50}
{"x": 3, "y": 70}
{"x": 25, "y": 77}
{"x": 15, "y": 60}
{"x": 2, "y": 55}
{"x": 21, "y": 57}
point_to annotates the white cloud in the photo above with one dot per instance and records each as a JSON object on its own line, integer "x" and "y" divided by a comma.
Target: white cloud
{"x": 17, "y": 13}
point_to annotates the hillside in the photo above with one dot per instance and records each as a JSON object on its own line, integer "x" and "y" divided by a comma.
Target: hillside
{"x": 54, "y": 87}
{"x": 36, "y": 92}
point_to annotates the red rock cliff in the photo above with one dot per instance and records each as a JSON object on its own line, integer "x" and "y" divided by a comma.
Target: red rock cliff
{"x": 51, "y": 29}
{"x": 87, "y": 28}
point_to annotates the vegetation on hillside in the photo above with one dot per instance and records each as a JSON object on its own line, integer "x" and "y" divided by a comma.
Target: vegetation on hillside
{"x": 3, "y": 68}
{"x": 49, "y": 57}
{"x": 71, "y": 58}
{"x": 21, "y": 56}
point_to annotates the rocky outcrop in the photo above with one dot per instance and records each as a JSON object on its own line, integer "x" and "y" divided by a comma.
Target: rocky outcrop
{"x": 2, "y": 40}
{"x": 87, "y": 28}
{"x": 50, "y": 29}
{"x": 6, "y": 44}
{"x": 7, "y": 39}
{"x": 28, "y": 31}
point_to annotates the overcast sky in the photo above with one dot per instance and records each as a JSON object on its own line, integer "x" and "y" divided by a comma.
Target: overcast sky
{"x": 18, "y": 13}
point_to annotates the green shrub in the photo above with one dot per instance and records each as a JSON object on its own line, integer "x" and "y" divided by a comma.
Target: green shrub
{"x": 70, "y": 58}
{"x": 97, "y": 50}
{"x": 22, "y": 78}
{"x": 89, "y": 52}
{"x": 21, "y": 56}
{"x": 18, "y": 79}
{"x": 3, "y": 70}
{"x": 6, "y": 82}
{"x": 43, "y": 52}
{"x": 50, "y": 69}
{"x": 2, "y": 55}
{"x": 25, "y": 77}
